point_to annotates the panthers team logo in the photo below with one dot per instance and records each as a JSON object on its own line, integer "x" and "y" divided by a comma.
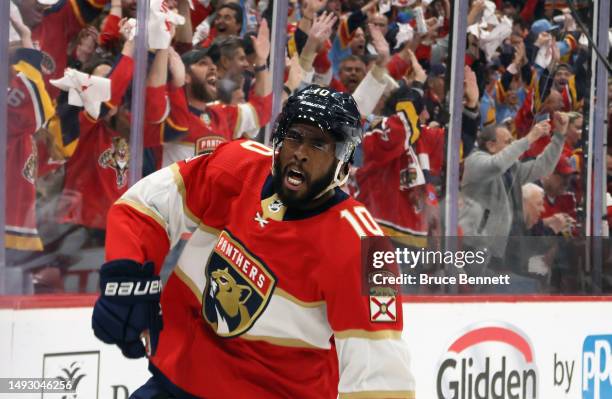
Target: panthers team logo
{"x": 207, "y": 144}
{"x": 30, "y": 168}
{"x": 238, "y": 288}
{"x": 117, "y": 157}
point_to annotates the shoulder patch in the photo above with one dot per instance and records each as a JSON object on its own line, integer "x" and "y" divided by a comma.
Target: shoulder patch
{"x": 383, "y": 309}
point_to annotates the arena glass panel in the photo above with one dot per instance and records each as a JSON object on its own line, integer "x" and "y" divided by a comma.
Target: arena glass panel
{"x": 535, "y": 236}
{"x": 71, "y": 108}
{"x": 114, "y": 117}
{"x": 68, "y": 210}
{"x": 523, "y": 187}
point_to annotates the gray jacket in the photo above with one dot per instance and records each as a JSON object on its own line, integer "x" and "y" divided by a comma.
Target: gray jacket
{"x": 483, "y": 183}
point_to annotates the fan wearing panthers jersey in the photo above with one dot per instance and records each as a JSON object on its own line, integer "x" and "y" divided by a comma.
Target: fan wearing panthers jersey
{"x": 97, "y": 171}
{"x": 393, "y": 179}
{"x": 211, "y": 123}
{"x": 266, "y": 300}
{"x": 30, "y": 108}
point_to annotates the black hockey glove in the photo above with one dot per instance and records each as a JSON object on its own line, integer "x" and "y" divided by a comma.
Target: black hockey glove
{"x": 128, "y": 306}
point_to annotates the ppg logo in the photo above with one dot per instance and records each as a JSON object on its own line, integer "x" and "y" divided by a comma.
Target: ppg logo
{"x": 597, "y": 367}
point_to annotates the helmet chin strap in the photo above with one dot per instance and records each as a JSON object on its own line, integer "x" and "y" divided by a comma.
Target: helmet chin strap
{"x": 275, "y": 151}
{"x": 336, "y": 182}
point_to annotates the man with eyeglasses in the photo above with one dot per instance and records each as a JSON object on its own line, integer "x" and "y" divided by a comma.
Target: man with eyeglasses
{"x": 266, "y": 300}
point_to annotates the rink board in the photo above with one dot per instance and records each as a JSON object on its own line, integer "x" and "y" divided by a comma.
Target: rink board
{"x": 530, "y": 345}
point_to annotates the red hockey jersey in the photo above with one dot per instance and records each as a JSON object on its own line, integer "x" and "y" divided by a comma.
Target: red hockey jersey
{"x": 430, "y": 149}
{"x": 96, "y": 174}
{"x": 218, "y": 124}
{"x": 29, "y": 107}
{"x": 97, "y": 171}
{"x": 565, "y": 203}
{"x": 390, "y": 178}
{"x": 260, "y": 290}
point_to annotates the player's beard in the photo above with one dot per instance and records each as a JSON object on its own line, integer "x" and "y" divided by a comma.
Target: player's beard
{"x": 289, "y": 198}
{"x": 199, "y": 90}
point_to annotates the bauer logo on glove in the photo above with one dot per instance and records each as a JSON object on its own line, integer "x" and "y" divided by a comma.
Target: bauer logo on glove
{"x": 129, "y": 307}
{"x": 130, "y": 288}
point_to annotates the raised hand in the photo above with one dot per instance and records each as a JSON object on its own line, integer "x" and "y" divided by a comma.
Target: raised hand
{"x": 418, "y": 71}
{"x": 322, "y": 28}
{"x": 380, "y": 44}
{"x": 561, "y": 122}
{"x": 23, "y": 31}
{"x": 261, "y": 43}
{"x": 538, "y": 130}
{"x": 471, "y": 92}
{"x": 127, "y": 27}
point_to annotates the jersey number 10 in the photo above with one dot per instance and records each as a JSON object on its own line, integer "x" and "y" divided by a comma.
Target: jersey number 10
{"x": 362, "y": 222}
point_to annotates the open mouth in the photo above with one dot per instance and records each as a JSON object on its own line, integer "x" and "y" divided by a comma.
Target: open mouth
{"x": 351, "y": 84}
{"x": 211, "y": 84}
{"x": 294, "y": 178}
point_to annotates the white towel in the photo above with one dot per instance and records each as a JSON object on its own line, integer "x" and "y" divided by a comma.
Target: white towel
{"x": 84, "y": 90}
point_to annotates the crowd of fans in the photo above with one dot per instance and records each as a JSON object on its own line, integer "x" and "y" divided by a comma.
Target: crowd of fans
{"x": 527, "y": 72}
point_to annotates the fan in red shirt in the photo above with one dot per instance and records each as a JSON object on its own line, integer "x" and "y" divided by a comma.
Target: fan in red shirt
{"x": 211, "y": 124}
{"x": 352, "y": 71}
{"x": 392, "y": 182}
{"x": 97, "y": 172}
{"x": 559, "y": 203}
{"x": 54, "y": 27}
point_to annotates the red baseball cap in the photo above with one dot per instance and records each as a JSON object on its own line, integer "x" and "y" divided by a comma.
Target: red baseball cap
{"x": 565, "y": 167}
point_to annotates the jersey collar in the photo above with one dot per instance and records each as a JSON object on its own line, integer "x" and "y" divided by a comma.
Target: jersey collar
{"x": 270, "y": 204}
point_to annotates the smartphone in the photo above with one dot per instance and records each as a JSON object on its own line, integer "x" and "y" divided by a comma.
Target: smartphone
{"x": 542, "y": 117}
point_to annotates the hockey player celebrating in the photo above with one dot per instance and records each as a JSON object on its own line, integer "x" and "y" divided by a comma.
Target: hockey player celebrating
{"x": 266, "y": 300}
